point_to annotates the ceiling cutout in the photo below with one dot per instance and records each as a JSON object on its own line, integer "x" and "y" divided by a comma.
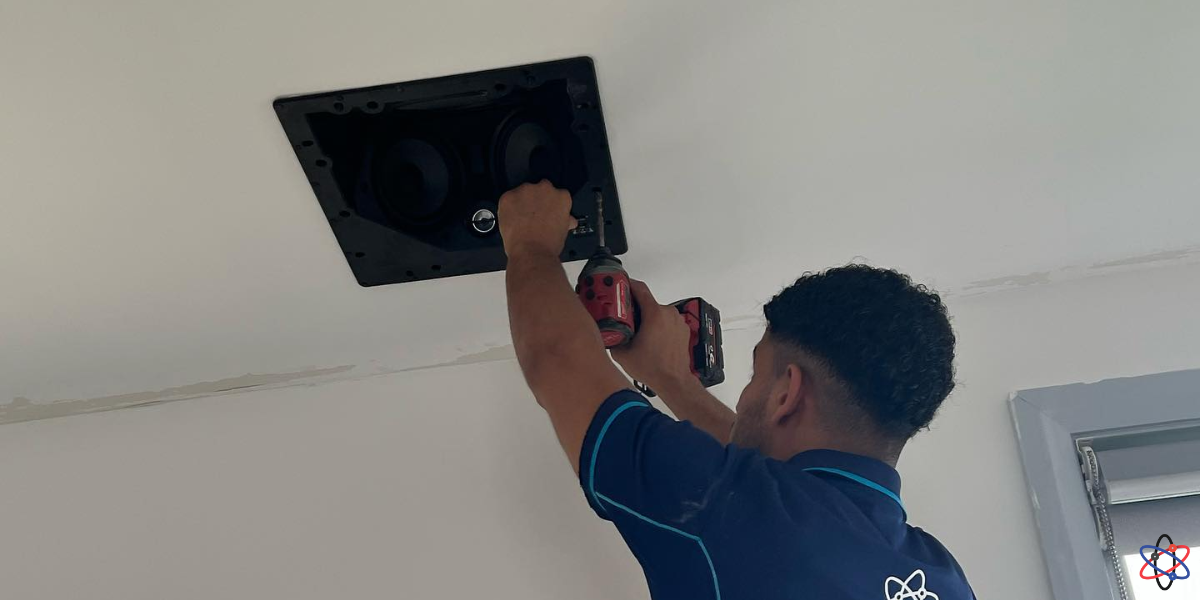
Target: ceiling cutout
{"x": 409, "y": 174}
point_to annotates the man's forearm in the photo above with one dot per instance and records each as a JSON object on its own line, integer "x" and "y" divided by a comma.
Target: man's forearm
{"x": 546, "y": 319}
{"x": 558, "y": 347}
{"x": 690, "y": 401}
{"x": 556, "y": 341}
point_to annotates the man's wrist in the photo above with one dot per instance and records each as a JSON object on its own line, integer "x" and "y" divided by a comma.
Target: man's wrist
{"x": 527, "y": 250}
{"x": 675, "y": 385}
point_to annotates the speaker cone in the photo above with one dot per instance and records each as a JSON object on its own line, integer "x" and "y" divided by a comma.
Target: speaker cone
{"x": 526, "y": 152}
{"x": 413, "y": 181}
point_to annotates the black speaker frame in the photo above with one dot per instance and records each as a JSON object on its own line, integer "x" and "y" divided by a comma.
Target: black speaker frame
{"x": 381, "y": 253}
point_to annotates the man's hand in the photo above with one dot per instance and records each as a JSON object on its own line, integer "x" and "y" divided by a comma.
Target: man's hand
{"x": 658, "y": 355}
{"x": 535, "y": 218}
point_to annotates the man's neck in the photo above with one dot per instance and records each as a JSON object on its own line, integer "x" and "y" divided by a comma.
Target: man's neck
{"x": 886, "y": 453}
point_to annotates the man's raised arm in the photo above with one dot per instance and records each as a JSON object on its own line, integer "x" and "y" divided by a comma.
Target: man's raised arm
{"x": 557, "y": 343}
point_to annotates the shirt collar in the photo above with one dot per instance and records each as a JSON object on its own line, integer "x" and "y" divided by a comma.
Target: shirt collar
{"x": 865, "y": 467}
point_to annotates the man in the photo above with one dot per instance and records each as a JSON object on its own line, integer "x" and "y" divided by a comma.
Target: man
{"x": 795, "y": 495}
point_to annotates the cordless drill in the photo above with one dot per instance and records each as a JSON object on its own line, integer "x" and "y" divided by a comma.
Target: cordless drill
{"x": 604, "y": 290}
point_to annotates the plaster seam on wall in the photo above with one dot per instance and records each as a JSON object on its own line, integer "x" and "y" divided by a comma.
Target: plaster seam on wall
{"x": 1143, "y": 261}
{"x": 506, "y": 351}
{"x": 24, "y": 409}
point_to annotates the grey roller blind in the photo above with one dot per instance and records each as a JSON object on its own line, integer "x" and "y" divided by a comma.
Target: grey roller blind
{"x": 1149, "y": 467}
{"x": 1140, "y": 523}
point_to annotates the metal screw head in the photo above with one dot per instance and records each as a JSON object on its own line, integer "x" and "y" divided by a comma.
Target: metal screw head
{"x": 483, "y": 221}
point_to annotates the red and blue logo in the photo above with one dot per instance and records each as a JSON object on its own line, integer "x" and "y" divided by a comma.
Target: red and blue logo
{"x": 1176, "y": 570}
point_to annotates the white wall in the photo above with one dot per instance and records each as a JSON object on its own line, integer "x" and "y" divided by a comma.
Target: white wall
{"x": 447, "y": 483}
{"x": 157, "y": 231}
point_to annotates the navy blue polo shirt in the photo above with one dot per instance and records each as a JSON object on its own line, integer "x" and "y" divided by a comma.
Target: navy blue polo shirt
{"x": 727, "y": 523}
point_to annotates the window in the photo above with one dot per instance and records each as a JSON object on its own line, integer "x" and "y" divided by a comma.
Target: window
{"x": 1114, "y": 471}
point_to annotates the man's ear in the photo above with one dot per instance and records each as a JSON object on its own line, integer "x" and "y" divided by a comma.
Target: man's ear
{"x": 789, "y": 395}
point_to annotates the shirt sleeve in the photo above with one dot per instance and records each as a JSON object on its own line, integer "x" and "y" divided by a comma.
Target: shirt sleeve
{"x": 637, "y": 462}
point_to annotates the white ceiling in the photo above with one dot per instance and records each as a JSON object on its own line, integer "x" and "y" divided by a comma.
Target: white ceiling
{"x": 157, "y": 231}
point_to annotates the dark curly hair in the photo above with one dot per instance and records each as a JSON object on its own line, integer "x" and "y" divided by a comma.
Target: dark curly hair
{"x": 888, "y": 341}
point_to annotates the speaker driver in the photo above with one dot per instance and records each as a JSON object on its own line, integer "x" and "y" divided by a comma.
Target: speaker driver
{"x": 526, "y": 152}
{"x": 413, "y": 181}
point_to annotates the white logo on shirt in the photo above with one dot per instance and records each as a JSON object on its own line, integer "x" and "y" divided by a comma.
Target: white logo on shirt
{"x": 912, "y": 588}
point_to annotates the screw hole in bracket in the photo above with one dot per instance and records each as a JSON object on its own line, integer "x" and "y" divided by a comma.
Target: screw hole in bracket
{"x": 321, "y": 162}
{"x": 359, "y": 254}
{"x": 344, "y": 213}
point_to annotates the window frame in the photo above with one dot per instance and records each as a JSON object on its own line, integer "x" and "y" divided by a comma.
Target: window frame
{"x": 1048, "y": 421}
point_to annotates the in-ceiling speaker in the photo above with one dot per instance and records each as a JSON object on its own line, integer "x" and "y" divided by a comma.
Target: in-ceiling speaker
{"x": 409, "y": 174}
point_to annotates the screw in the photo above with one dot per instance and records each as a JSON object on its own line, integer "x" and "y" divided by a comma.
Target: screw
{"x": 600, "y": 215}
{"x": 483, "y": 221}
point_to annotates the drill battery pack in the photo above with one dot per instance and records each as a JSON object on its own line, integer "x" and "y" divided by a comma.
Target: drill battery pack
{"x": 708, "y": 360}
{"x": 704, "y": 321}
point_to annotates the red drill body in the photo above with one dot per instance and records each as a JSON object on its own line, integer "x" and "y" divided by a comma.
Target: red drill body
{"x": 603, "y": 289}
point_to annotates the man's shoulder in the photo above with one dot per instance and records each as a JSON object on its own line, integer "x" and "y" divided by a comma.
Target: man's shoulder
{"x": 932, "y": 547}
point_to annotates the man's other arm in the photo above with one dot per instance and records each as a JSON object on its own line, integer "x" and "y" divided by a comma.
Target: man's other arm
{"x": 659, "y": 357}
